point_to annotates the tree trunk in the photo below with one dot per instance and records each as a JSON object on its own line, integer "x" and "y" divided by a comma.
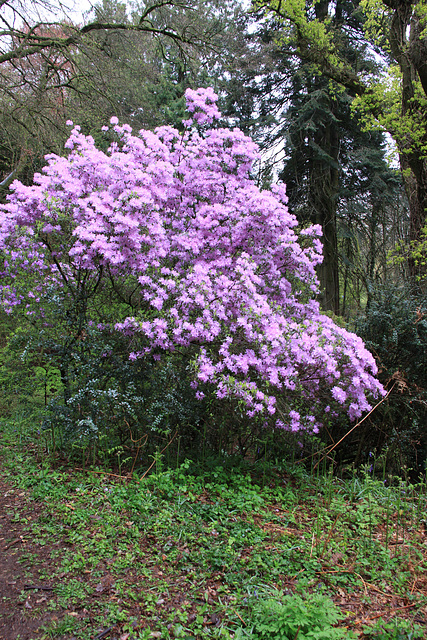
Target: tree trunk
{"x": 410, "y": 52}
{"x": 323, "y": 198}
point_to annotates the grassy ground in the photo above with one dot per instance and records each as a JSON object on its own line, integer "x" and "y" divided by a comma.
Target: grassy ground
{"x": 212, "y": 550}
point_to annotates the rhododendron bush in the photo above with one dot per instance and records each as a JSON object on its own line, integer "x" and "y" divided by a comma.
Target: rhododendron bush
{"x": 167, "y": 240}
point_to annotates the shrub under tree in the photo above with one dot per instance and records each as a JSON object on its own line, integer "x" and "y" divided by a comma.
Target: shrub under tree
{"x": 165, "y": 246}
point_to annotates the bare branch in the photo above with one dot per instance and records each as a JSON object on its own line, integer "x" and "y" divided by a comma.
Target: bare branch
{"x": 32, "y": 40}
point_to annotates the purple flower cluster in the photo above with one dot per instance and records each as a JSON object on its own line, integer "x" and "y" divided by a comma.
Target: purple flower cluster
{"x": 219, "y": 266}
{"x": 201, "y": 103}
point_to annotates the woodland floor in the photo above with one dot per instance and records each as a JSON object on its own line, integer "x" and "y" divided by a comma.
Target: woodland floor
{"x": 44, "y": 595}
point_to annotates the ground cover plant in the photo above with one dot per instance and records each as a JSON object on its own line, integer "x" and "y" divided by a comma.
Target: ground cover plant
{"x": 214, "y": 549}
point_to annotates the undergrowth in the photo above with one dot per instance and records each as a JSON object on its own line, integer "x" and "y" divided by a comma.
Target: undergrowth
{"x": 221, "y": 549}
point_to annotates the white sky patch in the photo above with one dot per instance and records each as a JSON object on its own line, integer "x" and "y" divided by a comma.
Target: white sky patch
{"x": 392, "y": 153}
{"x": 79, "y": 10}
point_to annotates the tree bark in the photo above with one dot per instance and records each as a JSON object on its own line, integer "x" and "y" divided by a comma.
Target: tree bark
{"x": 323, "y": 198}
{"x": 410, "y": 52}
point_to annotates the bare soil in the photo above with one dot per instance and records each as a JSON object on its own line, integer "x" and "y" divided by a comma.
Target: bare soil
{"x": 18, "y": 592}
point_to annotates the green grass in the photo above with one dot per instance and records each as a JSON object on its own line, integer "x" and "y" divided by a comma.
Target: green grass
{"x": 216, "y": 550}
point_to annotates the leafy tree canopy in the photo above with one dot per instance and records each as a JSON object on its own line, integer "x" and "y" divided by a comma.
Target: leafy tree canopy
{"x": 392, "y": 91}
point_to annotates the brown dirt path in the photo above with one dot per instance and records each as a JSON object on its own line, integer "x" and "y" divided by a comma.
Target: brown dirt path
{"x": 23, "y": 610}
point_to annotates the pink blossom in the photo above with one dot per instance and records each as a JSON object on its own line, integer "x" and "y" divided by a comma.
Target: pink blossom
{"x": 194, "y": 256}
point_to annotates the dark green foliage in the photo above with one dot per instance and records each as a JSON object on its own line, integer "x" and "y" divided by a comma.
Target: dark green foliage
{"x": 114, "y": 401}
{"x": 26, "y": 380}
{"x": 394, "y": 328}
{"x": 81, "y": 386}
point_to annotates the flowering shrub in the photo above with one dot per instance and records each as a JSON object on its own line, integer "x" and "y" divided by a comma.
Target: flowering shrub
{"x": 167, "y": 239}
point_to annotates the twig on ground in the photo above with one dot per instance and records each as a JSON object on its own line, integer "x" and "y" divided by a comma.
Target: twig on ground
{"x": 297, "y": 633}
{"x": 103, "y": 633}
{"x": 379, "y": 615}
{"x": 41, "y": 587}
{"x": 11, "y": 544}
{"x": 104, "y": 473}
{"x": 240, "y": 617}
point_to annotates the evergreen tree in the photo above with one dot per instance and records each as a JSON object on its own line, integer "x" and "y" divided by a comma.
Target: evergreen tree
{"x": 392, "y": 98}
{"x": 308, "y": 119}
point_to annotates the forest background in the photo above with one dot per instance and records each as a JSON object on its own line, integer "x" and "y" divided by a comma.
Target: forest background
{"x": 133, "y": 505}
{"x": 318, "y": 86}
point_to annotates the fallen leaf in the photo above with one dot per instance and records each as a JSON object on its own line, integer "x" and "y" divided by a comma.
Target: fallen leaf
{"x": 105, "y": 585}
